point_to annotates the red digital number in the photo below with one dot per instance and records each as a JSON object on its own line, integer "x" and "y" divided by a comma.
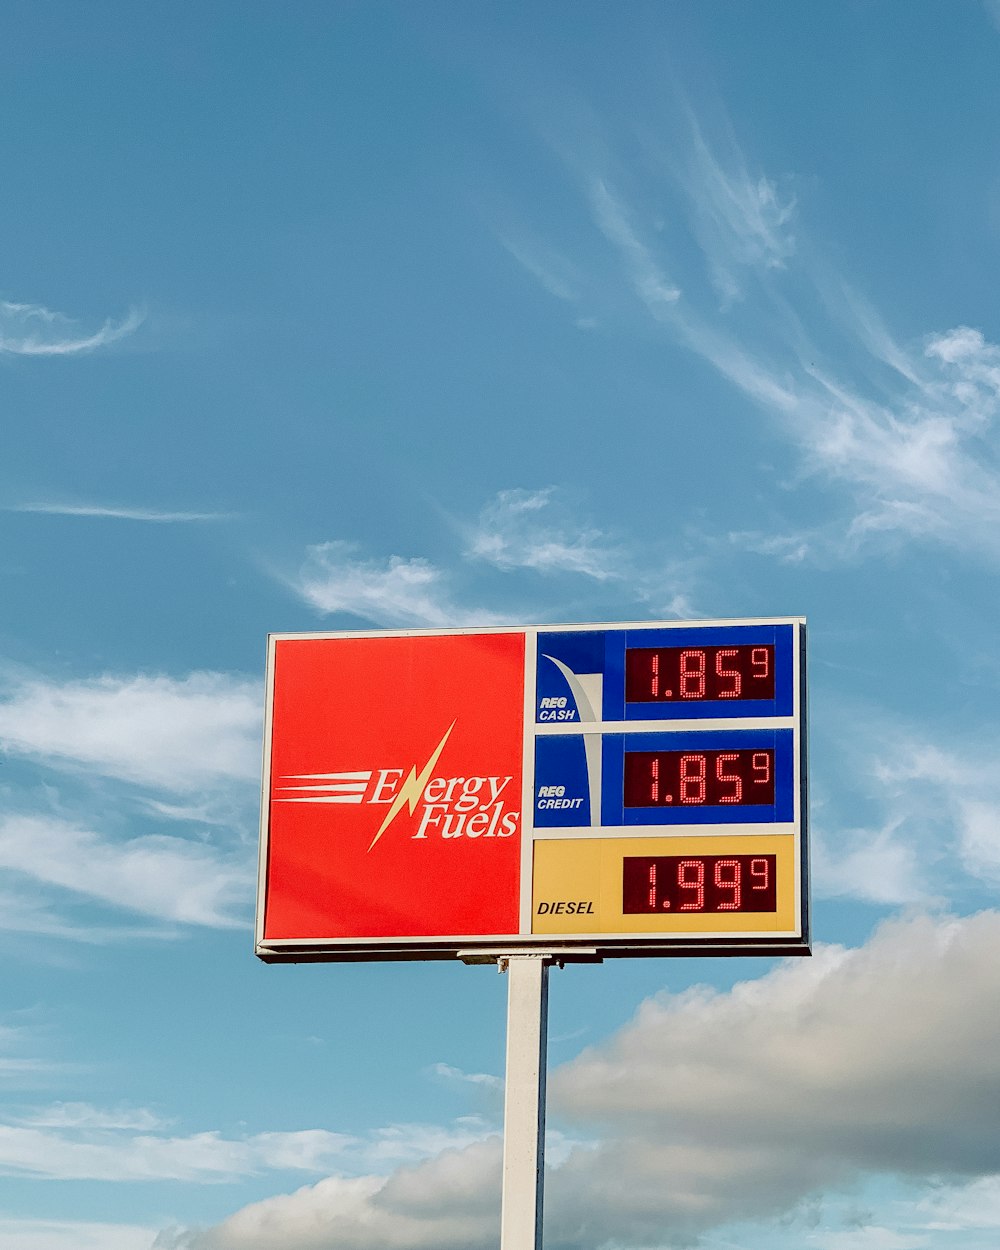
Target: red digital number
{"x": 733, "y": 779}
{"x": 692, "y": 678}
{"x": 732, "y": 673}
{"x": 727, "y": 876}
{"x": 698, "y": 884}
{"x": 693, "y": 771}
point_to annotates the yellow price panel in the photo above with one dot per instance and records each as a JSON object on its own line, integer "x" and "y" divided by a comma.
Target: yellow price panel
{"x": 725, "y": 886}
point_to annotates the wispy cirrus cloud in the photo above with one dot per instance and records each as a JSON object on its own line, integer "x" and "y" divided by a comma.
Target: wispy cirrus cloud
{"x": 932, "y": 833}
{"x": 162, "y": 877}
{"x": 539, "y": 531}
{"x": 72, "y": 1141}
{"x": 483, "y": 1079}
{"x": 18, "y": 1067}
{"x": 903, "y": 436}
{"x": 961, "y": 786}
{"x": 43, "y": 1234}
{"x": 404, "y": 1143}
{"x": 92, "y": 1152}
{"x": 28, "y": 907}
{"x": 644, "y": 270}
{"x": 32, "y": 330}
{"x": 82, "y": 1115}
{"x": 525, "y": 529}
{"x": 908, "y": 432}
{"x": 392, "y": 591}
{"x": 178, "y": 734}
{"x": 517, "y": 531}
{"x": 187, "y": 750}
{"x": 110, "y": 512}
{"x": 739, "y": 215}
{"x": 547, "y": 266}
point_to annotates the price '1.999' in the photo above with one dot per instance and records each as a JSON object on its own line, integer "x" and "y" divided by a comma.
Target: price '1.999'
{"x": 652, "y": 885}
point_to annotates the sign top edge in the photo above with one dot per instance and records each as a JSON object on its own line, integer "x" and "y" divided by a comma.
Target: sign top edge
{"x": 540, "y": 627}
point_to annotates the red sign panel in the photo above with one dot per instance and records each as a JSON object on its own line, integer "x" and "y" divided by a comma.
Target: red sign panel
{"x": 395, "y": 796}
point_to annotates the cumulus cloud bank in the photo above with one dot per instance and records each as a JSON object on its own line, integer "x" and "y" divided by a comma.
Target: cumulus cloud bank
{"x": 714, "y": 1106}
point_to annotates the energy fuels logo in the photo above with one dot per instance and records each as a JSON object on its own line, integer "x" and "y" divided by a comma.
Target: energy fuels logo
{"x": 449, "y": 807}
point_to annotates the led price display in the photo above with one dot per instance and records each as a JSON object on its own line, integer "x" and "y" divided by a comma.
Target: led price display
{"x": 677, "y": 674}
{"x": 698, "y": 883}
{"x": 696, "y": 778}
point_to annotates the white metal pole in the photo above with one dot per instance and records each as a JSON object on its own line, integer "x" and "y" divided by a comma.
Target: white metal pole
{"x": 524, "y": 1102}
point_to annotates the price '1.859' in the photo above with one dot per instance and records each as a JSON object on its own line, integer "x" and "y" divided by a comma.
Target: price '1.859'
{"x": 686, "y": 674}
{"x": 698, "y": 778}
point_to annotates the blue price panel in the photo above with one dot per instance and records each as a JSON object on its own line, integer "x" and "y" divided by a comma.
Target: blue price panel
{"x": 742, "y": 776}
{"x": 685, "y": 673}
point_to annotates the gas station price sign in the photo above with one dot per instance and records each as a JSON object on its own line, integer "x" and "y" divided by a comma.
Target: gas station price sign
{"x": 588, "y": 790}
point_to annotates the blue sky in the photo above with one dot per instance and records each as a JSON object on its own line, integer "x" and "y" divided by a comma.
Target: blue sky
{"x": 359, "y": 315}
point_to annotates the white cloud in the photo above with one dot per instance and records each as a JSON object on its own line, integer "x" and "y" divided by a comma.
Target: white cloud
{"x": 104, "y": 1155}
{"x": 119, "y": 514}
{"x": 906, "y": 435}
{"x": 26, "y": 910}
{"x": 396, "y": 591}
{"x": 28, "y": 1234}
{"x": 446, "y": 1203}
{"x": 649, "y": 282}
{"x": 740, "y": 218}
{"x": 875, "y": 1060}
{"x": 517, "y": 530}
{"x": 31, "y": 330}
{"x": 972, "y": 1206}
{"x": 718, "y": 1106}
{"x": 407, "y": 1142}
{"x": 29, "y": 905}
{"x": 877, "y": 866}
{"x": 872, "y": 1237}
{"x": 76, "y": 1141}
{"x": 917, "y": 461}
{"x": 15, "y": 1069}
{"x": 523, "y": 529}
{"x": 979, "y": 837}
{"x": 178, "y": 734}
{"x": 917, "y": 453}
{"x": 955, "y": 789}
{"x": 539, "y": 531}
{"x": 167, "y": 878}
{"x": 933, "y": 827}
{"x": 553, "y": 272}
{"x": 448, "y": 1073}
{"x": 82, "y": 1115}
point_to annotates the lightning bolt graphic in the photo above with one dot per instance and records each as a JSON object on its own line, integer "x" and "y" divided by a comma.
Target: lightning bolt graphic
{"x": 412, "y": 788}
